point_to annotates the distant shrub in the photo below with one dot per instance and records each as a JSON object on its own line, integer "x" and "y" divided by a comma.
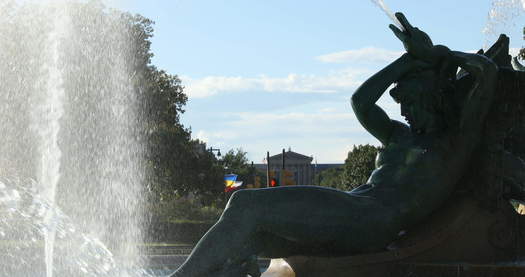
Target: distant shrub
{"x": 183, "y": 209}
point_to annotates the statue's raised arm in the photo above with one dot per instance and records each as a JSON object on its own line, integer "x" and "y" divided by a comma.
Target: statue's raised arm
{"x": 436, "y": 66}
{"x": 475, "y": 105}
{"x": 369, "y": 114}
{"x": 479, "y": 99}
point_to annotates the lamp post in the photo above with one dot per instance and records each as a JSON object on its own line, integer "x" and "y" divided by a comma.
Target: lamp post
{"x": 219, "y": 161}
{"x": 211, "y": 149}
{"x": 220, "y": 164}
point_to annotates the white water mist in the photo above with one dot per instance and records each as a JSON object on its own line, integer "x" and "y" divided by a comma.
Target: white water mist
{"x": 71, "y": 120}
{"x": 504, "y": 16}
{"x": 381, "y": 4}
{"x": 48, "y": 126}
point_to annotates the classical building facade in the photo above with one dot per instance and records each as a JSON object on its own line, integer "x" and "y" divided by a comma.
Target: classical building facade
{"x": 298, "y": 168}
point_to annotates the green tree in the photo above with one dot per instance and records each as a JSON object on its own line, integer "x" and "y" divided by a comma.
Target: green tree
{"x": 331, "y": 177}
{"x": 236, "y": 162}
{"x": 358, "y": 166}
{"x": 177, "y": 163}
{"x": 356, "y": 170}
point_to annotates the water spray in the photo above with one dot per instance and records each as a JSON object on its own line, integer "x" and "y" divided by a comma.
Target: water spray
{"x": 381, "y": 4}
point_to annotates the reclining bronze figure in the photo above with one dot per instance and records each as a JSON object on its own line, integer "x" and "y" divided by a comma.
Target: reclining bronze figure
{"x": 416, "y": 171}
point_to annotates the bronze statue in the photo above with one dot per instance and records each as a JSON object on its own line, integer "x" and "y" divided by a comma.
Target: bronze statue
{"x": 416, "y": 171}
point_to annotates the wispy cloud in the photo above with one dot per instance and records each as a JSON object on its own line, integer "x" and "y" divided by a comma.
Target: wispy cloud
{"x": 293, "y": 83}
{"x": 367, "y": 54}
{"x": 293, "y": 120}
{"x": 207, "y": 136}
{"x": 211, "y": 85}
{"x": 333, "y": 82}
{"x": 326, "y": 118}
{"x": 326, "y": 129}
{"x": 327, "y": 134}
{"x": 264, "y": 129}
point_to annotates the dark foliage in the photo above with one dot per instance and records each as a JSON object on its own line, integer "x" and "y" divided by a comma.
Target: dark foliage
{"x": 358, "y": 166}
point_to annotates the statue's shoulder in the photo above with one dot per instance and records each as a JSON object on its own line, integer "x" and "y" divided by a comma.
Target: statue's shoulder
{"x": 400, "y": 132}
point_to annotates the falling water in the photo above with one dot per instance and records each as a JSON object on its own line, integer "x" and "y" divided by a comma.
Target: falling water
{"x": 70, "y": 119}
{"x": 502, "y": 18}
{"x": 48, "y": 117}
{"x": 381, "y": 4}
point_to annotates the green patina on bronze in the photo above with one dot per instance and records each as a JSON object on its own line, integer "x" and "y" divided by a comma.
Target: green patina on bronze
{"x": 421, "y": 164}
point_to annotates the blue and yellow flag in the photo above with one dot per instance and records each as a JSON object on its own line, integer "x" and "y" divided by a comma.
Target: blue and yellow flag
{"x": 231, "y": 183}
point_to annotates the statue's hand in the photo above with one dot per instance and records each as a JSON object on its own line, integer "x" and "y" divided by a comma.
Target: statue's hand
{"x": 415, "y": 64}
{"x": 417, "y": 43}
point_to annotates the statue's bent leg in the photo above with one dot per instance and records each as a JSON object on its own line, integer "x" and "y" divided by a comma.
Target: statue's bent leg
{"x": 285, "y": 221}
{"x": 228, "y": 242}
{"x": 310, "y": 220}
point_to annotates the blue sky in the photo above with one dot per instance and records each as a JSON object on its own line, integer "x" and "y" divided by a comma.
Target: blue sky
{"x": 267, "y": 75}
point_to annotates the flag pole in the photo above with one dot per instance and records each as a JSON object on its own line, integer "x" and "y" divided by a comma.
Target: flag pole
{"x": 281, "y": 182}
{"x": 267, "y": 169}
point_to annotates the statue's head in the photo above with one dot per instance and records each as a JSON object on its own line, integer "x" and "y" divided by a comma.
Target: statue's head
{"x": 427, "y": 101}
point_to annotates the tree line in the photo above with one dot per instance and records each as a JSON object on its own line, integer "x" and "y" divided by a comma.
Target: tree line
{"x": 180, "y": 169}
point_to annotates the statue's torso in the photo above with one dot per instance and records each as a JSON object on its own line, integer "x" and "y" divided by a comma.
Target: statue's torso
{"x": 416, "y": 173}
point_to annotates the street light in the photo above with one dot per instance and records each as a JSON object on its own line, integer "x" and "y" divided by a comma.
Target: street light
{"x": 211, "y": 149}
